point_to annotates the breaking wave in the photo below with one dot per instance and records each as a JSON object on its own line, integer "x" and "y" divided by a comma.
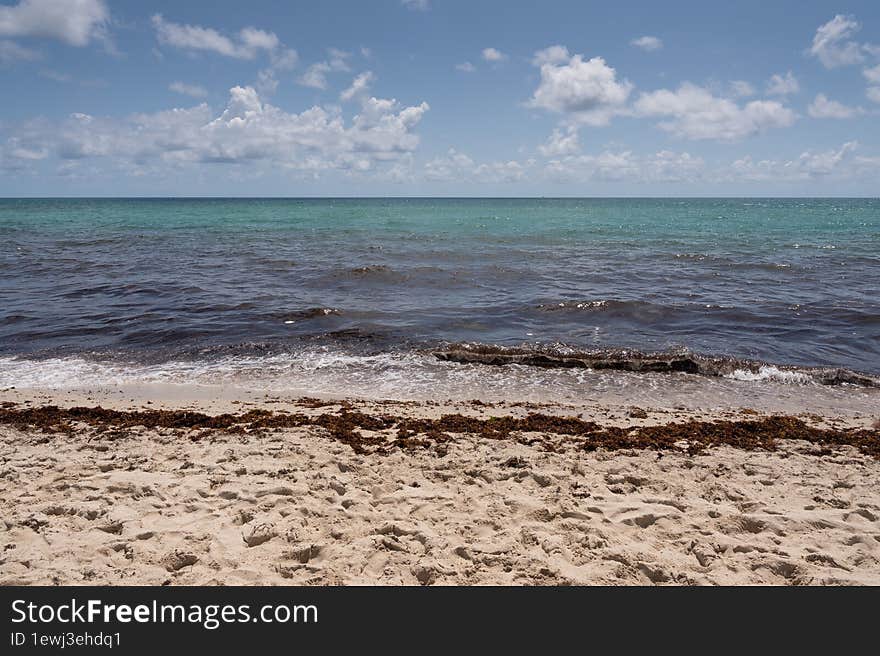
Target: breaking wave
{"x": 560, "y": 356}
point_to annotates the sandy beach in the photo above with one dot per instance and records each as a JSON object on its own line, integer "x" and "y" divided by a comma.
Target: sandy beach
{"x": 271, "y": 490}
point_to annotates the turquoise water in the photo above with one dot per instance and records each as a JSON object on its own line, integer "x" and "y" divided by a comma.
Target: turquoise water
{"x": 779, "y": 281}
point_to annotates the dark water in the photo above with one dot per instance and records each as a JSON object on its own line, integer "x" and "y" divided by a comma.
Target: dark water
{"x": 164, "y": 282}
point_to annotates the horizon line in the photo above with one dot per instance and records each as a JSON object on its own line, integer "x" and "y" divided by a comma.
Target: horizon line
{"x": 445, "y": 197}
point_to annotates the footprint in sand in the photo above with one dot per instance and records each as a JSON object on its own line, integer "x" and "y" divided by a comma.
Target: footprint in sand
{"x": 305, "y": 554}
{"x": 425, "y": 575}
{"x": 177, "y": 560}
{"x": 259, "y": 534}
{"x": 242, "y": 517}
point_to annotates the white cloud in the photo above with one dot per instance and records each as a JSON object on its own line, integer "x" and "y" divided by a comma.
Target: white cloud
{"x": 873, "y": 94}
{"x": 247, "y": 44}
{"x": 249, "y": 130}
{"x": 509, "y": 171}
{"x": 664, "y": 166}
{"x": 872, "y": 74}
{"x": 450, "y": 167}
{"x": 561, "y": 143}
{"x": 587, "y": 91}
{"x": 359, "y": 86}
{"x": 11, "y": 52}
{"x": 267, "y": 82}
{"x": 493, "y": 55}
{"x": 416, "y": 5}
{"x": 458, "y": 167}
{"x": 280, "y": 59}
{"x": 867, "y": 167}
{"x": 809, "y": 165}
{"x": 316, "y": 74}
{"x": 647, "y": 43}
{"x": 283, "y": 59}
{"x": 742, "y": 89}
{"x": 465, "y": 67}
{"x": 782, "y": 85}
{"x": 833, "y": 44}
{"x": 815, "y": 164}
{"x": 254, "y": 39}
{"x": 193, "y": 90}
{"x": 697, "y": 114}
{"x": 551, "y": 55}
{"x": 18, "y": 155}
{"x": 76, "y": 22}
{"x": 823, "y": 107}
{"x": 16, "y": 148}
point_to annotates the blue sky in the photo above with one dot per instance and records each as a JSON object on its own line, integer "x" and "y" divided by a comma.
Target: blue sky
{"x": 439, "y": 97}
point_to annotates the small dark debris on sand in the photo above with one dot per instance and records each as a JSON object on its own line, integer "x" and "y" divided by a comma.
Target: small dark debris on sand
{"x": 366, "y": 433}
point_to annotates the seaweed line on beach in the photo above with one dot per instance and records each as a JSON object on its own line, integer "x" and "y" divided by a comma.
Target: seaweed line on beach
{"x": 385, "y": 433}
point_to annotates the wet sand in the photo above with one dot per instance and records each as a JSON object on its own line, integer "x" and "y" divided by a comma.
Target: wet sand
{"x": 186, "y": 485}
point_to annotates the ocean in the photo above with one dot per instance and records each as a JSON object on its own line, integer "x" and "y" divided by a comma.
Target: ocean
{"x": 412, "y": 298}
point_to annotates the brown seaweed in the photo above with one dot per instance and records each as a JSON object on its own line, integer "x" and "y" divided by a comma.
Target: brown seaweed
{"x": 548, "y": 431}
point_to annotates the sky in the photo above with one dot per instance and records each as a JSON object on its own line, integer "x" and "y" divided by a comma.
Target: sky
{"x": 439, "y": 98}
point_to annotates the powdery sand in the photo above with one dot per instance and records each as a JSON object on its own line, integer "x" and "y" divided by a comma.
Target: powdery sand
{"x": 156, "y": 506}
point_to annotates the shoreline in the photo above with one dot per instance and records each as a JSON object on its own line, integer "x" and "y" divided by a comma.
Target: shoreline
{"x": 334, "y": 491}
